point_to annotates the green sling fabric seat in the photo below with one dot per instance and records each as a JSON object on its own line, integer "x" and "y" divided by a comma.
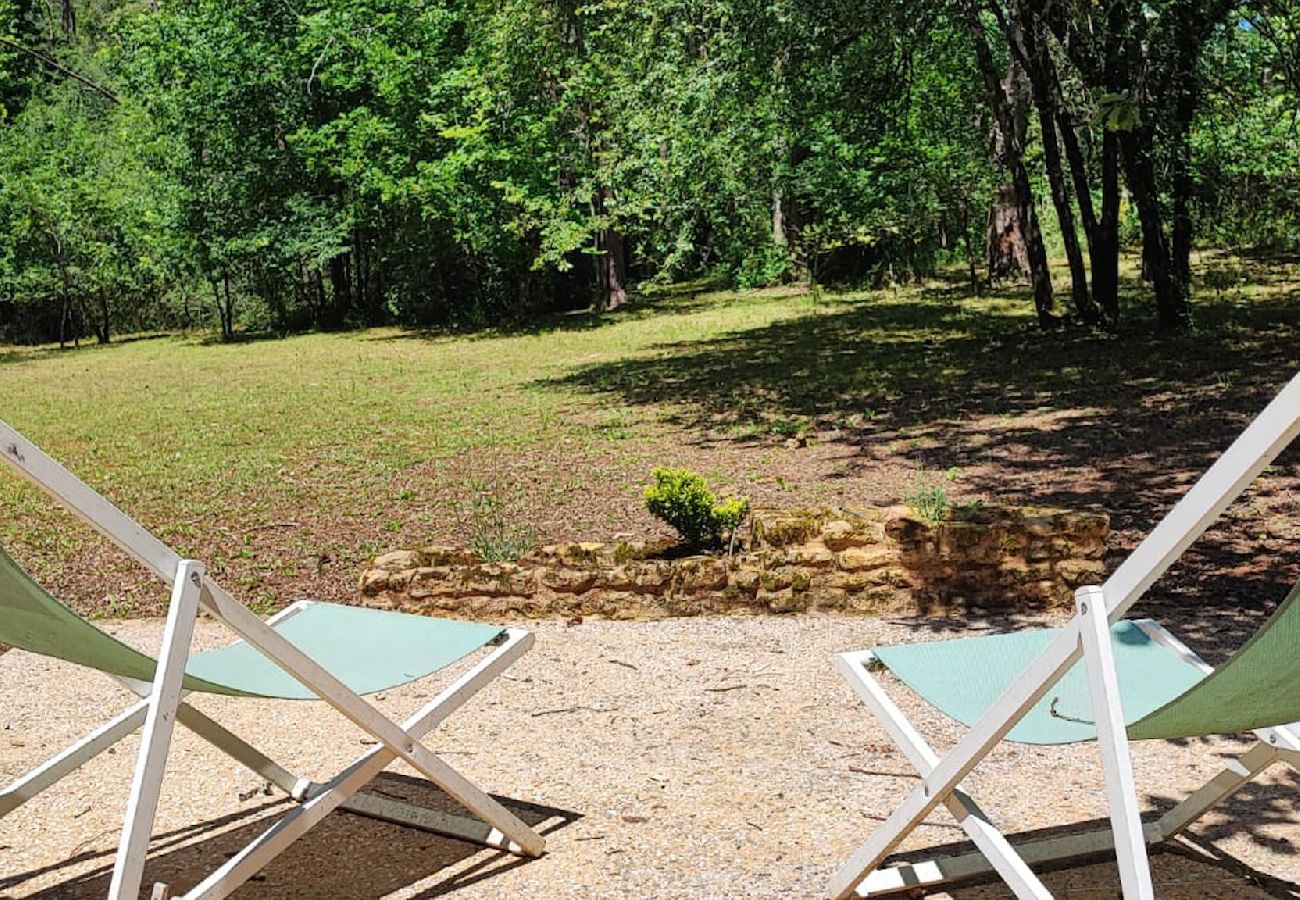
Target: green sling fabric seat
{"x": 1163, "y": 695}
{"x": 368, "y": 650}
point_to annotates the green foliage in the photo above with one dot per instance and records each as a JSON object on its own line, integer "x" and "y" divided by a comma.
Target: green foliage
{"x": 331, "y": 163}
{"x": 928, "y": 498}
{"x": 492, "y": 536}
{"x": 683, "y": 500}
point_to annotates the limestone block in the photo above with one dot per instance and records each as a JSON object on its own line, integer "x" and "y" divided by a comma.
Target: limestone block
{"x": 870, "y": 557}
{"x": 440, "y": 555}
{"x": 398, "y": 561}
{"x": 1076, "y": 572}
{"x": 813, "y": 556}
{"x": 374, "y": 581}
{"x": 566, "y": 580}
{"x": 782, "y": 528}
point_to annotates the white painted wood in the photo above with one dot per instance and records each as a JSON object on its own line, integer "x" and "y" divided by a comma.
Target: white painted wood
{"x": 227, "y": 741}
{"x": 357, "y": 710}
{"x": 99, "y": 513}
{"x": 37, "y": 467}
{"x": 1233, "y": 777}
{"x": 74, "y": 757}
{"x": 1037, "y": 679}
{"x": 933, "y": 873}
{"x": 991, "y": 842}
{"x": 237, "y": 748}
{"x": 1270, "y": 432}
{"x": 1112, "y": 744}
{"x": 323, "y": 799}
{"x": 113, "y": 731}
{"x": 128, "y": 868}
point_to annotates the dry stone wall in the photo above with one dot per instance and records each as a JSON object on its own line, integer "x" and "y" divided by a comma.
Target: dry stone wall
{"x": 864, "y": 560}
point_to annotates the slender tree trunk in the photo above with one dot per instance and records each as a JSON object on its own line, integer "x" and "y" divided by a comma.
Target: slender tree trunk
{"x": 341, "y": 301}
{"x": 969, "y": 245}
{"x": 1136, "y": 147}
{"x": 63, "y": 321}
{"x": 103, "y": 332}
{"x": 1027, "y": 38}
{"x": 1012, "y": 154}
{"x": 225, "y": 307}
{"x": 1180, "y": 182}
{"x": 615, "y": 268}
{"x": 1105, "y": 245}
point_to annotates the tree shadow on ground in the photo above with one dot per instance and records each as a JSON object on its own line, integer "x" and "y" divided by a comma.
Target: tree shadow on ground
{"x": 346, "y": 855}
{"x": 669, "y": 300}
{"x": 938, "y": 379}
{"x": 18, "y": 354}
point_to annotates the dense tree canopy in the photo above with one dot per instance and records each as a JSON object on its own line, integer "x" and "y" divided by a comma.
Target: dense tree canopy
{"x": 330, "y": 163}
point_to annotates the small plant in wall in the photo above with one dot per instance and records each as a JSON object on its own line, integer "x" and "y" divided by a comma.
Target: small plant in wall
{"x": 492, "y": 536}
{"x": 929, "y": 499}
{"x": 683, "y": 500}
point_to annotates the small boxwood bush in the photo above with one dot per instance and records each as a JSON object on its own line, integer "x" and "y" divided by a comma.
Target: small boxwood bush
{"x": 683, "y": 500}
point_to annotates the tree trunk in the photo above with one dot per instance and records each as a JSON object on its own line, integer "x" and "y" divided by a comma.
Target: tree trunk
{"x": 1180, "y": 182}
{"x": 969, "y": 245}
{"x": 103, "y": 332}
{"x": 1105, "y": 244}
{"x": 1009, "y": 105}
{"x": 1136, "y": 147}
{"x": 225, "y": 307}
{"x": 341, "y": 300}
{"x": 1005, "y": 241}
{"x": 63, "y": 321}
{"x": 1027, "y": 37}
{"x": 611, "y": 269}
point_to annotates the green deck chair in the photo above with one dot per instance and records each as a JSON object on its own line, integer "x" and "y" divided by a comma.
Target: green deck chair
{"x": 308, "y": 651}
{"x": 1099, "y": 678}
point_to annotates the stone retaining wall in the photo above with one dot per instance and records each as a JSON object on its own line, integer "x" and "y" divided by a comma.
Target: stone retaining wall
{"x": 857, "y": 560}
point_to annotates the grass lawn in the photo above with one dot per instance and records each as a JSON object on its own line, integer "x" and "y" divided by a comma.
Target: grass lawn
{"x": 286, "y": 463}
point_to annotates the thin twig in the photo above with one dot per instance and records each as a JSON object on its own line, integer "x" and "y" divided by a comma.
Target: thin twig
{"x": 62, "y": 69}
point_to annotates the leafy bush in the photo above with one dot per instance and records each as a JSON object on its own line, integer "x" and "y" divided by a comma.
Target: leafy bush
{"x": 683, "y": 500}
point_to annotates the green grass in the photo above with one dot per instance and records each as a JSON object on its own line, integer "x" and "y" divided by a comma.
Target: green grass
{"x": 335, "y": 444}
{"x": 285, "y": 463}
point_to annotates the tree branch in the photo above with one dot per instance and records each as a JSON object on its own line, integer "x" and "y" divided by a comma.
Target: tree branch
{"x": 62, "y": 69}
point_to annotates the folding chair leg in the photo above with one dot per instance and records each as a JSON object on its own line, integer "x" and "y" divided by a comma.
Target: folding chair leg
{"x": 993, "y": 845}
{"x": 128, "y": 867}
{"x": 323, "y": 799}
{"x": 1236, "y": 775}
{"x": 74, "y": 757}
{"x": 346, "y": 701}
{"x": 1274, "y": 746}
{"x": 241, "y": 751}
{"x": 230, "y": 743}
{"x": 1112, "y": 741}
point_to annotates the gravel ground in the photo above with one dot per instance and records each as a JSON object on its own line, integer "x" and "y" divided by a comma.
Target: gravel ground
{"x": 711, "y": 757}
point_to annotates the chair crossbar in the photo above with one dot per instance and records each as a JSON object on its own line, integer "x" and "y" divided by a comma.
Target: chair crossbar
{"x": 1272, "y": 746}
{"x": 1270, "y": 432}
{"x": 322, "y": 799}
{"x": 163, "y": 705}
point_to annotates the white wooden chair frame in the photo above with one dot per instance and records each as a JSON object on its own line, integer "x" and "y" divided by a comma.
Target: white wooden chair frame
{"x": 1087, "y": 636}
{"x": 162, "y": 704}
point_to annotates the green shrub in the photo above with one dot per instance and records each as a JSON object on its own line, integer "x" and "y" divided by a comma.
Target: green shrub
{"x": 927, "y": 499}
{"x": 683, "y": 500}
